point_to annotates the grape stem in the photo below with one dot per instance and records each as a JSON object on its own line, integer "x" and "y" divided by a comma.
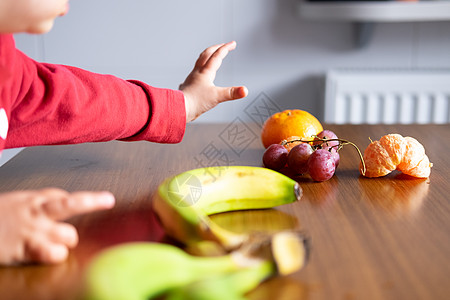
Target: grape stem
{"x": 338, "y": 147}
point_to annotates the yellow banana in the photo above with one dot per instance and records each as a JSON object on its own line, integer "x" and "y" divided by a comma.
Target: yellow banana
{"x": 184, "y": 202}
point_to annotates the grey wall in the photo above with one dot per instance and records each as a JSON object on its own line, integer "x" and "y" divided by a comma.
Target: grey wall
{"x": 279, "y": 56}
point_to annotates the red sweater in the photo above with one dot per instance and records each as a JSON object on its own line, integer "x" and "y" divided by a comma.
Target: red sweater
{"x": 48, "y": 104}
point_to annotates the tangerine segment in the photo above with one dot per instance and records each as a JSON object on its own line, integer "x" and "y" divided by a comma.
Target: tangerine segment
{"x": 285, "y": 124}
{"x": 415, "y": 162}
{"x": 378, "y": 161}
{"x": 421, "y": 170}
{"x": 395, "y": 146}
{"x": 413, "y": 155}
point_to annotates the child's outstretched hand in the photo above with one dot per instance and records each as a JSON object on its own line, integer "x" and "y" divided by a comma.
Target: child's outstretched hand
{"x": 199, "y": 90}
{"x": 30, "y": 227}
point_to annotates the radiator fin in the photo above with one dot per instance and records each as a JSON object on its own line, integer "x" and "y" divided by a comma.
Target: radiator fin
{"x": 387, "y": 97}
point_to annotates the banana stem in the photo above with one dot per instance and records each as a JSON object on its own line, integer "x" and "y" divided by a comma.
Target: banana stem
{"x": 342, "y": 142}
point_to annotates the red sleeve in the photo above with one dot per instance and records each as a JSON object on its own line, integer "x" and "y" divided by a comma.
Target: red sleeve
{"x": 55, "y": 104}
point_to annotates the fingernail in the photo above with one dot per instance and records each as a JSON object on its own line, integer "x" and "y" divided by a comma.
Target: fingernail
{"x": 107, "y": 199}
{"x": 245, "y": 91}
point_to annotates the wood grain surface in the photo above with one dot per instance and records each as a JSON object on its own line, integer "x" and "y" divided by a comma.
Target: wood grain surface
{"x": 382, "y": 238}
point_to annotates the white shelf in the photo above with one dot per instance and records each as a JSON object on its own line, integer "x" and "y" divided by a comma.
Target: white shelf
{"x": 375, "y": 11}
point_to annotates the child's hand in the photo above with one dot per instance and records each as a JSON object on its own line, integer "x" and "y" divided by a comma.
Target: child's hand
{"x": 199, "y": 90}
{"x": 30, "y": 230}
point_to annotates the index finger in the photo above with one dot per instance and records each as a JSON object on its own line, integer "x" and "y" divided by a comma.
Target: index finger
{"x": 206, "y": 54}
{"x": 78, "y": 203}
{"x": 215, "y": 60}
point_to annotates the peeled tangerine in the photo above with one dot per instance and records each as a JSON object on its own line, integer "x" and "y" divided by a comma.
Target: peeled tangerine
{"x": 395, "y": 152}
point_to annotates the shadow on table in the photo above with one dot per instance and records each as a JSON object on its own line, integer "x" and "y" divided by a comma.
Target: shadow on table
{"x": 280, "y": 288}
{"x": 41, "y": 282}
{"x": 396, "y": 193}
{"x": 262, "y": 220}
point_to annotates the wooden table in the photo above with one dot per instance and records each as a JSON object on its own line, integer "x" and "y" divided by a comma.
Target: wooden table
{"x": 385, "y": 238}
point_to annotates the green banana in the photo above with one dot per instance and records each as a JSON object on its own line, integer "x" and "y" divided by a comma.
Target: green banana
{"x": 228, "y": 286}
{"x": 144, "y": 270}
{"x": 138, "y": 271}
{"x": 184, "y": 202}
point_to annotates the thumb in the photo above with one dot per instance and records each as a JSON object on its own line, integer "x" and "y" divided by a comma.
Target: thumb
{"x": 232, "y": 93}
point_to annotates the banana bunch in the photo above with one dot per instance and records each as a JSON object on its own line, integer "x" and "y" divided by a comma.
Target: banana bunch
{"x": 184, "y": 202}
{"x": 218, "y": 264}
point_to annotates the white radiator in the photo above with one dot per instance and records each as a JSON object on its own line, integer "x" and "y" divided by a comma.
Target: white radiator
{"x": 387, "y": 96}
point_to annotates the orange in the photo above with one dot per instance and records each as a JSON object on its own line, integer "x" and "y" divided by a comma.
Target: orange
{"x": 395, "y": 152}
{"x": 285, "y": 124}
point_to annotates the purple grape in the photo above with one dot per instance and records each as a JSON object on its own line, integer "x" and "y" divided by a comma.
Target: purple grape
{"x": 298, "y": 158}
{"x": 275, "y": 157}
{"x": 336, "y": 157}
{"x": 321, "y": 165}
{"x": 326, "y": 134}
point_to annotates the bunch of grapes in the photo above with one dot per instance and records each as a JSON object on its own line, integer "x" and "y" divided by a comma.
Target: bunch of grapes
{"x": 319, "y": 159}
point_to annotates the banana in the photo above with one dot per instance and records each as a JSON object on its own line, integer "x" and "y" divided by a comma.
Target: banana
{"x": 144, "y": 270}
{"x": 184, "y": 202}
{"x": 229, "y": 286}
{"x": 138, "y": 271}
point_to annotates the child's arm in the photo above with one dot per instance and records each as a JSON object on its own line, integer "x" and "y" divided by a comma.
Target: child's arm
{"x": 31, "y": 230}
{"x": 55, "y": 104}
{"x": 200, "y": 92}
